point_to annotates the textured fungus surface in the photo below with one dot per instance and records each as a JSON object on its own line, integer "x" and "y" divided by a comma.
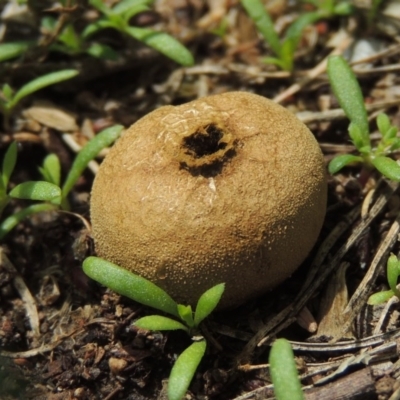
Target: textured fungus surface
{"x": 229, "y": 188}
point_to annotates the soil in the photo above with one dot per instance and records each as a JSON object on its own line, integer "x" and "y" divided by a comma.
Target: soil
{"x": 63, "y": 336}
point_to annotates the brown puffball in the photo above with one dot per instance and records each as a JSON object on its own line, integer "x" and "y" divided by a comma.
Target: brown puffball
{"x": 228, "y": 188}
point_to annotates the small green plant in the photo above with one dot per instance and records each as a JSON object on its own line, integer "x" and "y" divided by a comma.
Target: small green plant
{"x": 348, "y": 92}
{"x": 49, "y": 192}
{"x": 284, "y": 49}
{"x": 118, "y": 17}
{"x": 9, "y": 99}
{"x": 283, "y": 371}
{"x": 70, "y": 42}
{"x": 393, "y": 273}
{"x": 145, "y": 292}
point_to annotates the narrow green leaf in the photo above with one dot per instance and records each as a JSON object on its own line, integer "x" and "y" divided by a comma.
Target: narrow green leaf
{"x": 13, "y": 49}
{"x": 98, "y": 26}
{"x": 9, "y": 161}
{"x": 365, "y": 150}
{"x": 163, "y": 43}
{"x": 283, "y": 371}
{"x": 380, "y": 297}
{"x": 343, "y": 8}
{"x": 129, "y": 8}
{"x": 274, "y": 61}
{"x": 13, "y": 220}
{"x": 51, "y": 170}
{"x": 7, "y": 91}
{"x": 287, "y": 54}
{"x": 394, "y": 144}
{"x": 295, "y": 30}
{"x": 102, "y": 140}
{"x": 383, "y": 122}
{"x": 40, "y": 83}
{"x": 258, "y": 13}
{"x": 357, "y": 136}
{"x": 186, "y": 314}
{"x": 392, "y": 270}
{"x": 391, "y": 133}
{"x": 207, "y": 302}
{"x": 347, "y": 90}
{"x": 159, "y": 323}
{"x": 387, "y": 167}
{"x": 40, "y": 190}
{"x": 130, "y": 285}
{"x": 101, "y": 6}
{"x": 341, "y": 161}
{"x": 184, "y": 369}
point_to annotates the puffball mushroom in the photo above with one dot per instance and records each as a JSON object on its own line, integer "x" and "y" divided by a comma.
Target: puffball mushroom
{"x": 228, "y": 188}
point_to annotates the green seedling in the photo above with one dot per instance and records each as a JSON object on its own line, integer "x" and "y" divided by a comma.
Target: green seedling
{"x": 118, "y": 17}
{"x": 393, "y": 273}
{"x": 50, "y": 192}
{"x": 348, "y": 92}
{"x": 9, "y": 99}
{"x": 283, "y": 49}
{"x": 283, "y": 372}
{"x": 70, "y": 42}
{"x": 145, "y": 292}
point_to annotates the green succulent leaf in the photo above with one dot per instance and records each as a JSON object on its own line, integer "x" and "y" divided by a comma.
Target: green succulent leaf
{"x": 394, "y": 144}
{"x": 163, "y": 43}
{"x": 100, "y": 6}
{"x": 130, "y": 285}
{"x": 51, "y": 170}
{"x": 387, "y": 167}
{"x": 356, "y": 136}
{"x": 7, "y": 92}
{"x": 184, "y": 369}
{"x": 348, "y": 93}
{"x": 258, "y": 13}
{"x": 9, "y": 161}
{"x": 391, "y": 133}
{"x": 295, "y": 30}
{"x": 393, "y": 272}
{"x": 380, "y": 297}
{"x": 186, "y": 314}
{"x": 129, "y": 8}
{"x": 341, "y": 161}
{"x": 343, "y": 8}
{"x": 102, "y": 140}
{"x": 13, "y": 49}
{"x": 274, "y": 61}
{"x": 40, "y": 190}
{"x": 283, "y": 372}
{"x": 40, "y": 83}
{"x": 98, "y": 26}
{"x": 159, "y": 323}
{"x": 207, "y": 302}
{"x": 383, "y": 122}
